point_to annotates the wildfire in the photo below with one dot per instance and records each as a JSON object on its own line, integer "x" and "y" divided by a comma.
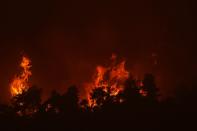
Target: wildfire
{"x": 111, "y": 78}
{"x": 21, "y": 82}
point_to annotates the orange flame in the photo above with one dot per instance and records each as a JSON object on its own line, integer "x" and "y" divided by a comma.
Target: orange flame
{"x": 21, "y": 83}
{"x": 111, "y": 78}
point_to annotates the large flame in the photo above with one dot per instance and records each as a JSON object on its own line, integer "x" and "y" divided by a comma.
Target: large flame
{"x": 21, "y": 82}
{"x": 110, "y": 78}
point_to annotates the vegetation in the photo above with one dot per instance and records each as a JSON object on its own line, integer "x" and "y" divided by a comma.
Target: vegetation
{"x": 129, "y": 109}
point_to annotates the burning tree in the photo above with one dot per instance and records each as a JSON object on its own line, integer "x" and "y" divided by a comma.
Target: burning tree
{"x": 25, "y": 100}
{"x": 21, "y": 82}
{"x": 114, "y": 84}
{"x": 27, "y": 103}
{"x": 108, "y": 83}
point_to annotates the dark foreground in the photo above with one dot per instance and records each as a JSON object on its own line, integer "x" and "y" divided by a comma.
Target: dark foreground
{"x": 128, "y": 110}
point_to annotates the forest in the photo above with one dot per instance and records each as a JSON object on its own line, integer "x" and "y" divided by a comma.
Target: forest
{"x": 128, "y": 109}
{"x": 115, "y": 100}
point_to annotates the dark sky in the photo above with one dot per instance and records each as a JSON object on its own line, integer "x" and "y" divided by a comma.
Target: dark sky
{"x": 67, "y": 39}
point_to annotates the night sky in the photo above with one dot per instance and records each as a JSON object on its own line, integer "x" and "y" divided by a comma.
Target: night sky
{"x": 67, "y": 39}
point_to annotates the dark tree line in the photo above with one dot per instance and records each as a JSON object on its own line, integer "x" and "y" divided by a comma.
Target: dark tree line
{"x": 129, "y": 109}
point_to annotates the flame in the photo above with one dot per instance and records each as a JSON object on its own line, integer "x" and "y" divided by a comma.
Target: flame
{"x": 111, "y": 78}
{"x": 21, "y": 83}
{"x": 99, "y": 80}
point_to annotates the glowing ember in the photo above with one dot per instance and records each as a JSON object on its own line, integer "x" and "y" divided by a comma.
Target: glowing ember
{"x": 21, "y": 83}
{"x": 143, "y": 92}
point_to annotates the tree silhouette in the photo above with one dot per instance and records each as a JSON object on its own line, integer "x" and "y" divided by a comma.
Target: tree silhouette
{"x": 131, "y": 92}
{"x": 70, "y": 100}
{"x": 150, "y": 88}
{"x": 52, "y": 105}
{"x": 28, "y": 102}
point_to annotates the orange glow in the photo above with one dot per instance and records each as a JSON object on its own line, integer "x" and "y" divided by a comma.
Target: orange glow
{"x": 21, "y": 83}
{"x": 99, "y": 80}
{"x": 111, "y": 78}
